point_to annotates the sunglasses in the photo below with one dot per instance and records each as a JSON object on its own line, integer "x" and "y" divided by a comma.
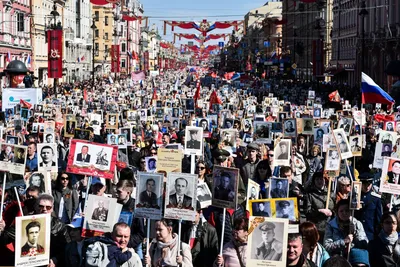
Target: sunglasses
{"x": 201, "y": 168}
{"x": 270, "y": 155}
{"x": 64, "y": 178}
{"x": 45, "y": 207}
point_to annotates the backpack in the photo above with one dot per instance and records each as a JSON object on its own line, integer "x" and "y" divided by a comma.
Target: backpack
{"x": 97, "y": 255}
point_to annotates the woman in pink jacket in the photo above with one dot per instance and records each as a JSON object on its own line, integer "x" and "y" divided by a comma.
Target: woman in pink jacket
{"x": 234, "y": 252}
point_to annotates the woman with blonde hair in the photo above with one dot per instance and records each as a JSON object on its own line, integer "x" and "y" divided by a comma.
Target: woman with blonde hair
{"x": 344, "y": 188}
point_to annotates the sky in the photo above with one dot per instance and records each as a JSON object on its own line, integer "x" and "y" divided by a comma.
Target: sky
{"x": 190, "y": 10}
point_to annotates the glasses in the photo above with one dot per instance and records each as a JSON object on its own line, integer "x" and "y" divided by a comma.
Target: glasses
{"x": 45, "y": 207}
{"x": 153, "y": 153}
{"x": 64, "y": 178}
{"x": 201, "y": 168}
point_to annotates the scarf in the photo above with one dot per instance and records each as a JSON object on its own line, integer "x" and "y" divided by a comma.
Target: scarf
{"x": 389, "y": 240}
{"x": 165, "y": 248}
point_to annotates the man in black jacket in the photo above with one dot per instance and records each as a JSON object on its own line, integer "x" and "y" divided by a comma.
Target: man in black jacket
{"x": 124, "y": 191}
{"x": 202, "y": 238}
{"x": 59, "y": 236}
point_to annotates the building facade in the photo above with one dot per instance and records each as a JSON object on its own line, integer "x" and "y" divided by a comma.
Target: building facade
{"x": 15, "y": 36}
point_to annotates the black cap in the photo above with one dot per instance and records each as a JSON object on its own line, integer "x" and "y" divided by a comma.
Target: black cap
{"x": 366, "y": 177}
{"x": 266, "y": 226}
{"x": 284, "y": 203}
{"x": 221, "y": 154}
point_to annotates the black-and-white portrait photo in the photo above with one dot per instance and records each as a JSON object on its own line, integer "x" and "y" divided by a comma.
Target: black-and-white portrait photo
{"x": 342, "y": 143}
{"x": 317, "y": 113}
{"x": 225, "y": 186}
{"x": 285, "y": 209}
{"x": 37, "y": 179}
{"x": 267, "y": 242}
{"x": 193, "y": 139}
{"x": 112, "y": 121}
{"x": 49, "y": 138}
{"x": 180, "y": 196}
{"x": 355, "y": 145}
{"x": 261, "y": 208}
{"x": 127, "y": 133}
{"x": 81, "y": 134}
{"x": 332, "y": 162}
{"x": 13, "y": 140}
{"x": 100, "y": 212}
{"x": 151, "y": 163}
{"x": 283, "y": 150}
{"x": 203, "y": 195}
{"x": 246, "y": 124}
{"x": 47, "y": 157}
{"x": 290, "y": 127}
{"x": 279, "y": 188}
{"x": 228, "y": 123}
{"x": 203, "y": 123}
{"x": 262, "y": 130}
{"x": 190, "y": 104}
{"x": 148, "y": 196}
{"x": 345, "y": 124}
{"x": 308, "y": 126}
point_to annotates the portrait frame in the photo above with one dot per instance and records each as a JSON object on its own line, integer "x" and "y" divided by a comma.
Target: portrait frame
{"x": 195, "y": 147}
{"x": 22, "y": 257}
{"x": 343, "y": 144}
{"x": 9, "y": 162}
{"x": 225, "y": 196}
{"x": 307, "y": 126}
{"x": 187, "y": 211}
{"x": 205, "y": 198}
{"x": 289, "y": 132}
{"x": 355, "y": 195}
{"x": 112, "y": 123}
{"x": 275, "y": 192}
{"x": 54, "y": 160}
{"x": 144, "y": 209}
{"x": 148, "y": 161}
{"x": 255, "y": 240}
{"x": 387, "y": 184}
{"x": 282, "y": 158}
{"x": 332, "y": 164}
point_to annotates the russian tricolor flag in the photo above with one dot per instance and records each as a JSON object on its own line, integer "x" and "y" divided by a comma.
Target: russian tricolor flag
{"x": 372, "y": 93}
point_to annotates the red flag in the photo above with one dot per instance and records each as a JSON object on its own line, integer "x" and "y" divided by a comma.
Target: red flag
{"x": 85, "y": 94}
{"x": 197, "y": 94}
{"x": 25, "y": 104}
{"x": 229, "y": 75}
{"x": 334, "y": 96}
{"x": 154, "y": 94}
{"x": 214, "y": 99}
{"x": 383, "y": 117}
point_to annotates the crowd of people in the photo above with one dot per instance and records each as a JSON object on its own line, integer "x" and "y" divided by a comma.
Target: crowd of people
{"x": 327, "y": 230}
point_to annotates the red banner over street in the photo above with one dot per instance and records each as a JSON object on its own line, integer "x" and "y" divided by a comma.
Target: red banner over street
{"x": 54, "y": 57}
{"x": 115, "y": 59}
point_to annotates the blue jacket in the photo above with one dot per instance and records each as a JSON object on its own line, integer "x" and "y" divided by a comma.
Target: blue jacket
{"x": 334, "y": 237}
{"x": 370, "y": 213}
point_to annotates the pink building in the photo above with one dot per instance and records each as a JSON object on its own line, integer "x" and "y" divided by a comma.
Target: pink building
{"x": 15, "y": 32}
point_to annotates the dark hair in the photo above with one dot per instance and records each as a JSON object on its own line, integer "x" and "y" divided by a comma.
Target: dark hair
{"x": 295, "y": 236}
{"x": 387, "y": 214}
{"x": 167, "y": 223}
{"x": 126, "y": 174}
{"x": 150, "y": 180}
{"x": 47, "y": 147}
{"x": 397, "y": 161}
{"x": 31, "y": 225}
{"x": 58, "y": 181}
{"x": 337, "y": 261}
{"x": 181, "y": 178}
{"x": 316, "y": 175}
{"x": 241, "y": 223}
{"x": 42, "y": 183}
{"x": 126, "y": 185}
{"x": 32, "y": 188}
{"x": 343, "y": 202}
{"x": 310, "y": 233}
{"x": 284, "y": 169}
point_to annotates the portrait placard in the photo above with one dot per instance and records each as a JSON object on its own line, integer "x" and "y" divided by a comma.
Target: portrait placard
{"x": 266, "y": 233}
{"x": 180, "y": 200}
{"x": 332, "y": 161}
{"x": 169, "y": 160}
{"x": 112, "y": 121}
{"x": 149, "y": 195}
{"x": 47, "y": 157}
{"x": 32, "y": 240}
{"x": 92, "y": 159}
{"x": 194, "y": 140}
{"x": 289, "y": 128}
{"x": 151, "y": 164}
{"x": 307, "y": 126}
{"x": 282, "y": 152}
{"x": 355, "y": 195}
{"x": 204, "y": 195}
{"x": 355, "y": 145}
{"x": 342, "y": 143}
{"x": 279, "y": 188}
{"x": 390, "y": 178}
{"x": 225, "y": 187}
{"x": 13, "y": 158}
{"x": 101, "y": 214}
{"x": 81, "y": 134}
{"x": 41, "y": 180}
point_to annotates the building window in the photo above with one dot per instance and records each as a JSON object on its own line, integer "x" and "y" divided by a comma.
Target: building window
{"x": 96, "y": 33}
{"x": 123, "y": 47}
{"x": 96, "y": 15}
{"x": 20, "y": 21}
{"x": 105, "y": 48}
{"x": 106, "y": 35}
{"x": 122, "y": 63}
{"x": 96, "y": 49}
{"x": 106, "y": 20}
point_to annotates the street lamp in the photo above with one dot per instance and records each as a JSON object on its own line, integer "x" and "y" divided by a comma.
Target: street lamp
{"x": 93, "y": 27}
{"x": 54, "y": 26}
{"x": 363, "y": 13}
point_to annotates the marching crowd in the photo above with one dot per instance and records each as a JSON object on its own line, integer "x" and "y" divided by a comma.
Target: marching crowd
{"x": 329, "y": 232}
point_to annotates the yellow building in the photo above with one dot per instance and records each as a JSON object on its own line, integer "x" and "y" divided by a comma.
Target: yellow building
{"x": 103, "y": 37}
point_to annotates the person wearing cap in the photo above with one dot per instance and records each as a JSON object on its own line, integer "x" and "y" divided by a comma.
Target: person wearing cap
{"x": 202, "y": 239}
{"x": 269, "y": 248}
{"x": 284, "y": 210}
{"x": 248, "y": 170}
{"x": 193, "y": 143}
{"x": 279, "y": 191}
{"x": 370, "y": 213}
{"x": 284, "y": 150}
